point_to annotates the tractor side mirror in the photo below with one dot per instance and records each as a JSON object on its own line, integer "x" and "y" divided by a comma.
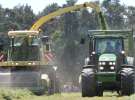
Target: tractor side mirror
{"x": 82, "y": 41}
{"x": 45, "y": 39}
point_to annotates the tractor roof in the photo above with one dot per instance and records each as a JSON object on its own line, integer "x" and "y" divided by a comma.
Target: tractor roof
{"x": 21, "y": 33}
{"x": 110, "y": 33}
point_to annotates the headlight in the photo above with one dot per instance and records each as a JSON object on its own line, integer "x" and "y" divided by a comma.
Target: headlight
{"x": 29, "y": 63}
{"x": 103, "y": 63}
{"x": 93, "y": 52}
{"x": 114, "y": 63}
{"x": 110, "y": 63}
{"x": 101, "y": 68}
{"x": 112, "y": 67}
{"x": 16, "y": 64}
{"x": 123, "y": 52}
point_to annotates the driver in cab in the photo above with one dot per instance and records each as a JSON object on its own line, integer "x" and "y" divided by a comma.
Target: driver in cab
{"x": 109, "y": 47}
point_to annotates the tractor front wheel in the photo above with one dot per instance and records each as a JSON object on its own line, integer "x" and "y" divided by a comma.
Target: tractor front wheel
{"x": 127, "y": 81}
{"x": 88, "y": 82}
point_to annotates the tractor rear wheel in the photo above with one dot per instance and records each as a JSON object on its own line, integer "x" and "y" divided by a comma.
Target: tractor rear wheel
{"x": 88, "y": 82}
{"x": 127, "y": 81}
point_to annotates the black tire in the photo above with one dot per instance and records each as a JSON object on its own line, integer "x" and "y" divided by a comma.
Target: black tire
{"x": 127, "y": 81}
{"x": 88, "y": 83}
{"x": 51, "y": 87}
{"x": 54, "y": 86}
{"x": 39, "y": 92}
{"x": 99, "y": 91}
{"x": 57, "y": 85}
{"x": 43, "y": 90}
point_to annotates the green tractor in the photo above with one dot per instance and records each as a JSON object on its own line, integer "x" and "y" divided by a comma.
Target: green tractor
{"x": 109, "y": 66}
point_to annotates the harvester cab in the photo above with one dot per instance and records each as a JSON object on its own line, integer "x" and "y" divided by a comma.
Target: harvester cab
{"x": 110, "y": 63}
{"x": 24, "y": 46}
{"x": 26, "y": 66}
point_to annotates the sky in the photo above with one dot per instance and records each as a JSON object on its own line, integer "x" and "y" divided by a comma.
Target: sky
{"x": 39, "y": 5}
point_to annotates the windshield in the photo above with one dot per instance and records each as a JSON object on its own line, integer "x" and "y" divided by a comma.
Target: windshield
{"x": 25, "y": 49}
{"x": 18, "y": 41}
{"x": 104, "y": 45}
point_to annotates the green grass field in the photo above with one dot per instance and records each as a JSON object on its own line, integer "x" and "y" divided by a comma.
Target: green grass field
{"x": 77, "y": 96}
{"x": 23, "y": 94}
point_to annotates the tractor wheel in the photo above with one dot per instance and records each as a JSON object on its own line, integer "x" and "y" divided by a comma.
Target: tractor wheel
{"x": 51, "y": 88}
{"x": 127, "y": 81}
{"x": 99, "y": 90}
{"x": 43, "y": 90}
{"x": 100, "y": 93}
{"x": 57, "y": 85}
{"x": 39, "y": 92}
{"x": 88, "y": 83}
{"x": 54, "y": 86}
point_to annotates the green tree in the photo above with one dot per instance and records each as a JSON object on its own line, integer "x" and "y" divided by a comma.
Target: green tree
{"x": 129, "y": 17}
{"x": 114, "y": 13}
{"x": 24, "y": 16}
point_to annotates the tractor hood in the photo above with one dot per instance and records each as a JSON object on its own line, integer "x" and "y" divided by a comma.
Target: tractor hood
{"x": 107, "y": 57}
